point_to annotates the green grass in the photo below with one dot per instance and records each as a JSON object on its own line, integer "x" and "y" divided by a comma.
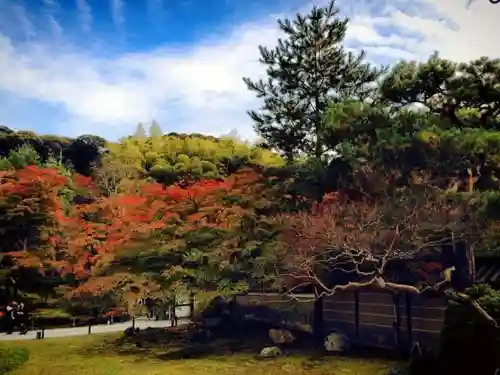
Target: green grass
{"x": 94, "y": 355}
{"x": 51, "y": 313}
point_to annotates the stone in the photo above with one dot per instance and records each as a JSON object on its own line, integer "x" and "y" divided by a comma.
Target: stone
{"x": 199, "y": 335}
{"x": 129, "y": 332}
{"x": 270, "y": 352}
{"x": 217, "y": 308}
{"x": 336, "y": 342}
{"x": 281, "y": 336}
{"x": 211, "y": 322}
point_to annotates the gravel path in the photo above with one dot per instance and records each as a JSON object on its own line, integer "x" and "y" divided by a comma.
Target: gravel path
{"x": 142, "y": 323}
{"x": 79, "y": 331}
{"x": 102, "y": 328}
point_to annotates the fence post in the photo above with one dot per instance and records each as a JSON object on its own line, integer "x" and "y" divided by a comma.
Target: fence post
{"x": 409, "y": 323}
{"x": 90, "y": 328}
{"x": 191, "y": 306}
{"x": 397, "y": 322}
{"x": 356, "y": 315}
{"x": 318, "y": 320}
{"x": 173, "y": 317}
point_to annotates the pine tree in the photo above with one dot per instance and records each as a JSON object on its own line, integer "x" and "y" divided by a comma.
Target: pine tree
{"x": 155, "y": 130}
{"x": 307, "y": 71}
{"x": 140, "y": 132}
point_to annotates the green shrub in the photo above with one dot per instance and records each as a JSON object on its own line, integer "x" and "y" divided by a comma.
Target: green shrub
{"x": 11, "y": 359}
{"x": 487, "y": 297}
{"x": 465, "y": 339}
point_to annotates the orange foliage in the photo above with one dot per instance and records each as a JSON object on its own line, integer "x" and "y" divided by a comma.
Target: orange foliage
{"x": 95, "y": 233}
{"x": 97, "y": 230}
{"x": 31, "y": 180}
{"x": 35, "y": 217}
{"x": 82, "y": 238}
{"x": 30, "y": 198}
{"x": 83, "y": 181}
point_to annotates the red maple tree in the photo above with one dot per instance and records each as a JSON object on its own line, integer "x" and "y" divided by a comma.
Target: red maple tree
{"x": 31, "y": 209}
{"x": 345, "y": 243}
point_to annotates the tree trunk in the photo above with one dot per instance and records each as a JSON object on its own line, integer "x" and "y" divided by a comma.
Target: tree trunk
{"x": 463, "y": 275}
{"x": 318, "y": 321}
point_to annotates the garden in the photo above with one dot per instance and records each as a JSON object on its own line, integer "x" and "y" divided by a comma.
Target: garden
{"x": 96, "y": 355}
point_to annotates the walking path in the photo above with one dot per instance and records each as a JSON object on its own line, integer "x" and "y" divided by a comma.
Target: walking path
{"x": 80, "y": 331}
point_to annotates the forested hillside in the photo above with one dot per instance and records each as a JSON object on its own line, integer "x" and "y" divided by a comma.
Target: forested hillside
{"x": 358, "y": 164}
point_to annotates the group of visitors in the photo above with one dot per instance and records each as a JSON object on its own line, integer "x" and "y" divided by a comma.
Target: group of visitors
{"x": 15, "y": 318}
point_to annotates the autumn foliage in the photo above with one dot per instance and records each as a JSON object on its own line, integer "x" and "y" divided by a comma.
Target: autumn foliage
{"x": 31, "y": 210}
{"x": 196, "y": 231}
{"x": 344, "y": 243}
{"x": 223, "y": 235}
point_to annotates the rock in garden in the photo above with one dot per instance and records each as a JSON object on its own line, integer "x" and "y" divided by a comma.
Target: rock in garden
{"x": 199, "y": 335}
{"x": 281, "y": 336}
{"x": 129, "y": 332}
{"x": 336, "y": 342}
{"x": 270, "y": 352}
{"x": 211, "y": 322}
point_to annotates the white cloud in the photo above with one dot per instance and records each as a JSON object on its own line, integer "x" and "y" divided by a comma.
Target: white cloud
{"x": 85, "y": 14}
{"x": 199, "y": 87}
{"x": 117, "y": 12}
{"x": 459, "y": 32}
{"x": 51, "y": 9}
{"x": 26, "y": 24}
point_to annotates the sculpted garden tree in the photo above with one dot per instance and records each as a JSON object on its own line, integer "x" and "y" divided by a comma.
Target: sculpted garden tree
{"x": 306, "y": 71}
{"x": 361, "y": 237}
{"x": 412, "y": 241}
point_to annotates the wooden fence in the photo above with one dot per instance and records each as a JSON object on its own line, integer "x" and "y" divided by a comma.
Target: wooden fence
{"x": 369, "y": 318}
{"x": 278, "y": 307}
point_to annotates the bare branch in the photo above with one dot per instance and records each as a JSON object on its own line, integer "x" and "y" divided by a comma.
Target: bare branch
{"x": 357, "y": 241}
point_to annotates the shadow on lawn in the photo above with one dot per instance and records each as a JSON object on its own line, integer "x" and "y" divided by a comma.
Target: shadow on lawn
{"x": 246, "y": 339}
{"x": 191, "y": 342}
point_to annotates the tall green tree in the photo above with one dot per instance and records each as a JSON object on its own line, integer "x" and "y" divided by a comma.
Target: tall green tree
{"x": 307, "y": 70}
{"x": 140, "y": 132}
{"x": 155, "y": 130}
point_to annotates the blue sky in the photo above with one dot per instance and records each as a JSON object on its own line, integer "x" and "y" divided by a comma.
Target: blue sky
{"x": 74, "y": 67}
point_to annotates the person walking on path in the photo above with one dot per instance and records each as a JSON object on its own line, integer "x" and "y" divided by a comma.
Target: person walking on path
{"x": 21, "y": 319}
{"x": 10, "y": 317}
{"x": 3, "y": 317}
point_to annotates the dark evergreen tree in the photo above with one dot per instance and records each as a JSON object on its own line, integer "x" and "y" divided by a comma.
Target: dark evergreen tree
{"x": 463, "y": 94}
{"x": 308, "y": 70}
